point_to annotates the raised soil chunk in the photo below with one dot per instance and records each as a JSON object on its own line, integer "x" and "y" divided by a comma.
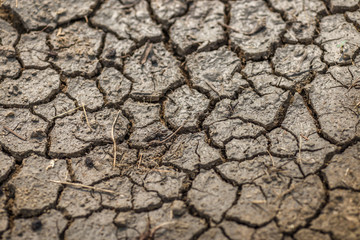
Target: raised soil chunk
{"x": 32, "y": 186}
{"x": 262, "y": 107}
{"x": 272, "y": 195}
{"x": 144, "y": 200}
{"x": 335, "y": 97}
{"x": 311, "y": 150}
{"x": 147, "y": 128}
{"x": 171, "y": 221}
{"x": 85, "y": 92}
{"x": 9, "y": 65}
{"x": 8, "y": 34}
{"x": 354, "y": 17}
{"x": 296, "y": 62}
{"x": 7, "y": 164}
{"x": 339, "y": 39}
{"x": 159, "y": 73}
{"x": 21, "y": 91}
{"x": 340, "y": 215}
{"x": 223, "y": 131}
{"x": 254, "y": 28}
{"x": 142, "y": 114}
{"x": 304, "y": 199}
{"x": 199, "y": 28}
{"x": 249, "y": 171}
{"x": 184, "y": 107}
{"x": 115, "y": 50}
{"x": 236, "y": 231}
{"x": 240, "y": 149}
{"x": 305, "y": 234}
{"x": 94, "y": 166}
{"x": 77, "y": 202}
{"x": 166, "y": 11}
{"x": 252, "y": 207}
{"x": 210, "y": 195}
{"x": 71, "y": 135}
{"x": 176, "y": 222}
{"x": 303, "y": 15}
{"x": 115, "y": 85}
{"x": 77, "y": 48}
{"x": 127, "y": 21}
{"x": 61, "y": 106}
{"x": 343, "y": 168}
{"x": 212, "y": 233}
{"x": 33, "y": 50}
{"x": 122, "y": 196}
{"x": 38, "y": 14}
{"x": 131, "y": 224}
{"x": 253, "y": 68}
{"x": 270, "y": 231}
{"x": 167, "y": 182}
{"x": 283, "y": 142}
{"x": 215, "y": 73}
{"x": 340, "y": 6}
{"x": 30, "y": 131}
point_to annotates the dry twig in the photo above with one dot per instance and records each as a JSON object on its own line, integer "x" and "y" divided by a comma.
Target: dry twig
{"x": 83, "y": 186}
{"x": 11, "y": 131}
{"x": 86, "y": 118}
{"x": 64, "y": 113}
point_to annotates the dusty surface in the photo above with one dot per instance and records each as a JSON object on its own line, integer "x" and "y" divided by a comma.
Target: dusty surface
{"x": 231, "y": 119}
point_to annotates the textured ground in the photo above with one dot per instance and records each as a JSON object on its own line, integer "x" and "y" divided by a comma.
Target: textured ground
{"x": 232, "y": 119}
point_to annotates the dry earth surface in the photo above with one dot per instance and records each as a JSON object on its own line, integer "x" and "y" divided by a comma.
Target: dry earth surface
{"x": 179, "y": 119}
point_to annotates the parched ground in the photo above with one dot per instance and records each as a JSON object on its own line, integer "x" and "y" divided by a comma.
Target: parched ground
{"x": 179, "y": 119}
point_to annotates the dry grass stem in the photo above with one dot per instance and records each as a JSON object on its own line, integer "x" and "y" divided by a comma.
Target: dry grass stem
{"x": 212, "y": 87}
{"x": 59, "y": 32}
{"x": 86, "y": 118}
{"x": 171, "y": 135}
{"x": 146, "y": 53}
{"x": 272, "y": 160}
{"x": 228, "y": 27}
{"x": 83, "y": 186}
{"x": 64, "y": 113}
{"x": 140, "y": 160}
{"x": 14, "y": 133}
{"x": 113, "y": 137}
{"x": 304, "y": 137}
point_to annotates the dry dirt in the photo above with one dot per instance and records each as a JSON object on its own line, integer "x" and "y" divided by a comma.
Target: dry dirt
{"x": 180, "y": 119}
